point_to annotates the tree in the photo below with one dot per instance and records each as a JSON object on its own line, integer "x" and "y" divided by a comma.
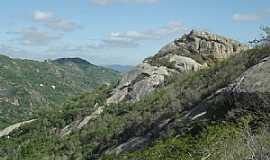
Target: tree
{"x": 265, "y": 39}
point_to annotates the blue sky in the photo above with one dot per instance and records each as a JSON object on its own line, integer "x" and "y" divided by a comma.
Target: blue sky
{"x": 119, "y": 31}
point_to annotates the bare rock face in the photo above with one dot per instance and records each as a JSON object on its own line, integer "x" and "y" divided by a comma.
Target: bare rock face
{"x": 140, "y": 81}
{"x": 8, "y": 130}
{"x": 204, "y": 44}
{"x": 191, "y": 52}
{"x": 249, "y": 92}
{"x": 254, "y": 80}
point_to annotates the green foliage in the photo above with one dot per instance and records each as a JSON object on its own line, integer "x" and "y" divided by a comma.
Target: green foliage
{"x": 264, "y": 41}
{"x": 26, "y": 86}
{"x": 41, "y": 138}
{"x": 219, "y": 141}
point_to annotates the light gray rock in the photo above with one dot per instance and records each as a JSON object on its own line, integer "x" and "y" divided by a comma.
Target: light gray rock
{"x": 191, "y": 52}
{"x": 185, "y": 64}
{"x": 137, "y": 143}
{"x": 8, "y": 130}
{"x": 204, "y": 44}
{"x": 256, "y": 79}
{"x": 139, "y": 82}
{"x": 132, "y": 145}
{"x": 252, "y": 87}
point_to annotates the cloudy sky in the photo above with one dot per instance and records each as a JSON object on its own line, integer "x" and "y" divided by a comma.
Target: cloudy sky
{"x": 119, "y": 31}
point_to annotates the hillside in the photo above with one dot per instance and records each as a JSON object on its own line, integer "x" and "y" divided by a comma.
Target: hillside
{"x": 26, "y": 86}
{"x": 191, "y": 52}
{"x": 198, "y": 98}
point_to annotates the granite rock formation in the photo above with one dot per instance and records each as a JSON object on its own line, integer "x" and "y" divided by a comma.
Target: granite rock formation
{"x": 191, "y": 52}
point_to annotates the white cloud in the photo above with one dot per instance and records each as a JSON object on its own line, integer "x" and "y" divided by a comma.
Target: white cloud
{"x": 15, "y": 52}
{"x": 35, "y": 37}
{"x": 62, "y": 25}
{"x": 247, "y": 17}
{"x": 107, "y": 2}
{"x": 54, "y": 22}
{"x": 114, "y": 43}
{"x": 155, "y": 33}
{"x": 10, "y": 50}
{"x": 128, "y": 39}
{"x": 41, "y": 16}
{"x": 134, "y": 38}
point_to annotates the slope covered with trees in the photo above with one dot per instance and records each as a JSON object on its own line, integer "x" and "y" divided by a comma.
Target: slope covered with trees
{"x": 26, "y": 86}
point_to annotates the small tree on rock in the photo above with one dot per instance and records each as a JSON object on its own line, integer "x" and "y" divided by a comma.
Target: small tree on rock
{"x": 264, "y": 40}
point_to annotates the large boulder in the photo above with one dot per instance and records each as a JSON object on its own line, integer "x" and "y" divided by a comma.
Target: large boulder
{"x": 140, "y": 81}
{"x": 248, "y": 93}
{"x": 254, "y": 80}
{"x": 191, "y": 52}
{"x": 10, "y": 129}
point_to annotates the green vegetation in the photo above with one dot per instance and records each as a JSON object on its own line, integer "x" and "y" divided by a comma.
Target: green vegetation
{"x": 216, "y": 137}
{"x": 224, "y": 141}
{"x": 26, "y": 86}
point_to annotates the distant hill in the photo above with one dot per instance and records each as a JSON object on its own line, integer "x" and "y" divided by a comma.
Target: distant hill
{"x": 120, "y": 68}
{"x": 76, "y": 60}
{"x": 27, "y": 85}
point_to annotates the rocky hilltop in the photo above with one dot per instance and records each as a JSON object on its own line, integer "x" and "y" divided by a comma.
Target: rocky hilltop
{"x": 191, "y": 52}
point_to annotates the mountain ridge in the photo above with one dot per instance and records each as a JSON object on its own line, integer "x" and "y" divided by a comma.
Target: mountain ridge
{"x": 75, "y": 60}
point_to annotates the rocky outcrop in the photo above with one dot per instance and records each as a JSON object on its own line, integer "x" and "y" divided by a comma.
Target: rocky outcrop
{"x": 254, "y": 80}
{"x": 205, "y": 44}
{"x": 140, "y": 81}
{"x": 192, "y": 52}
{"x": 249, "y": 92}
{"x": 8, "y": 130}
